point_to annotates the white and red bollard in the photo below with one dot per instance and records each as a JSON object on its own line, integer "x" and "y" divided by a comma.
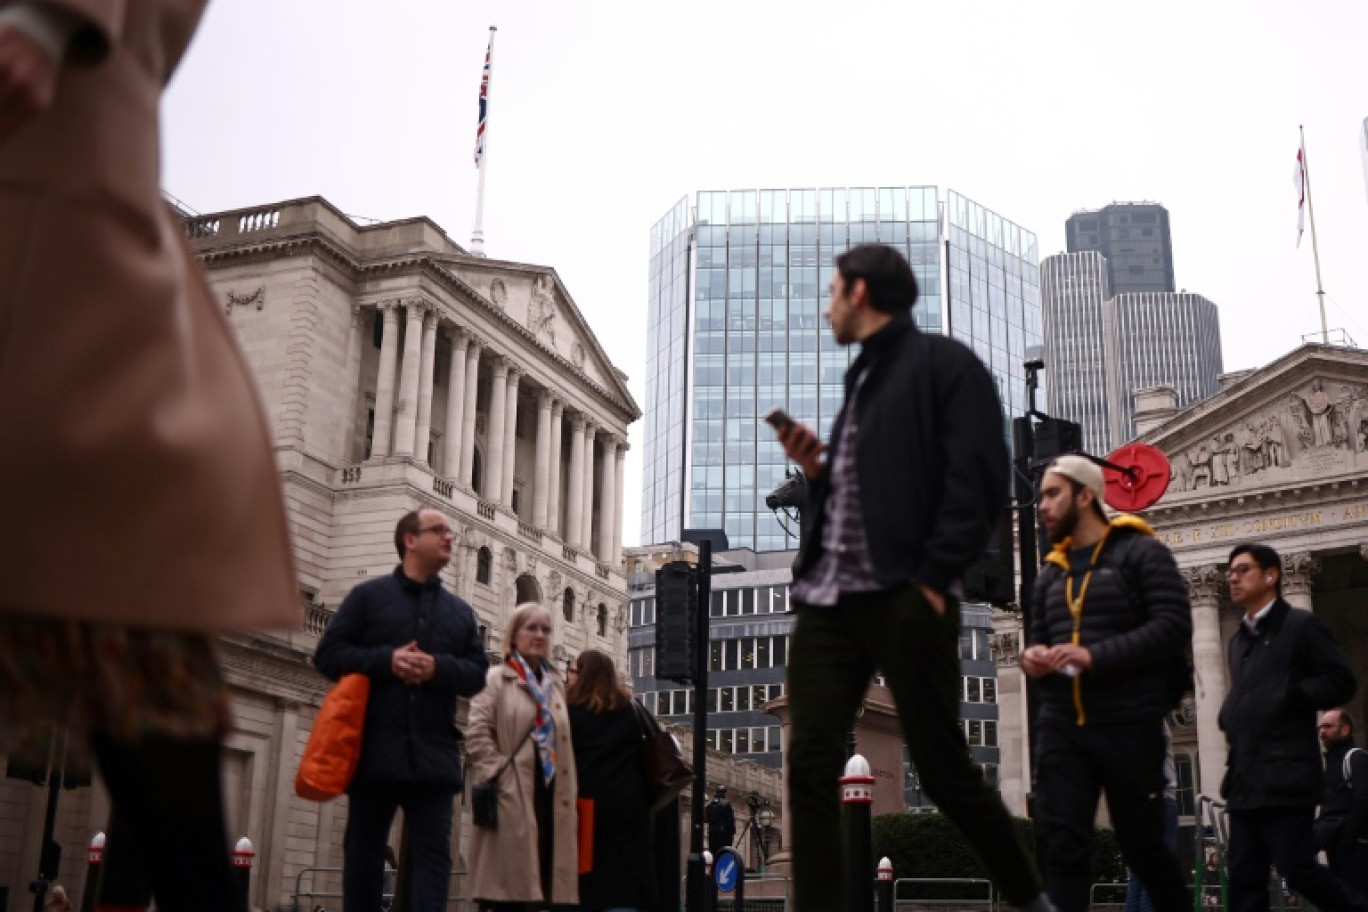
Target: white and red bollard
{"x": 94, "y": 860}
{"x": 857, "y": 798}
{"x": 244, "y": 856}
{"x": 883, "y": 886}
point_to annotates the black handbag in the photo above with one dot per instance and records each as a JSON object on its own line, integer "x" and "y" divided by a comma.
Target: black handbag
{"x": 666, "y": 772}
{"x": 484, "y": 797}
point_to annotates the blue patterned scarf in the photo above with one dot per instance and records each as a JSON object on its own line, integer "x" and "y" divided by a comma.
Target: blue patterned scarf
{"x": 545, "y": 731}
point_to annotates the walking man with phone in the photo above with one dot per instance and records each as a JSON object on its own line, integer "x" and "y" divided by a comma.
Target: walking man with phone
{"x": 901, "y": 501}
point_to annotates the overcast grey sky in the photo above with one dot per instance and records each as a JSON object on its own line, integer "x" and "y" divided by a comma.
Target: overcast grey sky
{"x": 603, "y": 114}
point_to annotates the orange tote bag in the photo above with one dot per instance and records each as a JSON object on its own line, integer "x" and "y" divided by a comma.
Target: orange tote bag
{"x": 334, "y": 747}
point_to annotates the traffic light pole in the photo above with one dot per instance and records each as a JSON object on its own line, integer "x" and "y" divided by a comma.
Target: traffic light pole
{"x": 695, "y": 890}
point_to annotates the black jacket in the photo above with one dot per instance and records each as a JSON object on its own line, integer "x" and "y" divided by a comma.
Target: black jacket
{"x": 1135, "y": 637}
{"x": 1343, "y": 816}
{"x": 1279, "y": 678}
{"x": 931, "y": 454}
{"x": 411, "y": 731}
{"x": 608, "y": 763}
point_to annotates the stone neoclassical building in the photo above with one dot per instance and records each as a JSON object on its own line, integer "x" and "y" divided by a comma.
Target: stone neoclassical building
{"x": 1280, "y": 456}
{"x": 398, "y": 371}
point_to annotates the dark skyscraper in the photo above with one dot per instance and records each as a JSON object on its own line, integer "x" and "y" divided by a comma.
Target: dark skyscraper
{"x": 1135, "y": 239}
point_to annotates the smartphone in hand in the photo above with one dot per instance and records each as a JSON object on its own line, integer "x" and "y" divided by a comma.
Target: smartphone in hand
{"x": 779, "y": 420}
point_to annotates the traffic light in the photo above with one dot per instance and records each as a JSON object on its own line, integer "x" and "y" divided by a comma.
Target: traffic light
{"x": 676, "y": 618}
{"x": 1055, "y": 437}
{"x": 992, "y": 577}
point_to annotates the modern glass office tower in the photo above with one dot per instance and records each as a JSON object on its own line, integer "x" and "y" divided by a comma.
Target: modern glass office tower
{"x": 1135, "y": 239}
{"x": 1100, "y": 347}
{"x": 738, "y": 287}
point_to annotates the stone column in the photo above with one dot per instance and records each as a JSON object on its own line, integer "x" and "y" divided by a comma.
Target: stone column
{"x": 423, "y": 434}
{"x": 616, "y": 556}
{"x": 574, "y": 525}
{"x": 510, "y": 451}
{"x": 384, "y": 383}
{"x": 607, "y": 499}
{"x": 541, "y": 467}
{"x": 1206, "y": 585}
{"x": 587, "y": 511}
{"x": 494, "y": 439}
{"x": 454, "y": 434}
{"x": 352, "y": 370}
{"x": 406, "y": 418}
{"x": 472, "y": 388}
{"x": 553, "y": 481}
{"x": 1299, "y": 576}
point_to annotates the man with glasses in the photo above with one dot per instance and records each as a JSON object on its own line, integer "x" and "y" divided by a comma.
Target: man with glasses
{"x": 1342, "y": 827}
{"x": 1284, "y": 666}
{"x": 420, "y": 646}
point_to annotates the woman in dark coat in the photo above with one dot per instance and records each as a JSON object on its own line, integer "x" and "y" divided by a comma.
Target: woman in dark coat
{"x": 614, "y": 813}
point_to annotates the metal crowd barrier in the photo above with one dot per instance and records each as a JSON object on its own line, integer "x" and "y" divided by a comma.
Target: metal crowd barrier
{"x": 975, "y": 893}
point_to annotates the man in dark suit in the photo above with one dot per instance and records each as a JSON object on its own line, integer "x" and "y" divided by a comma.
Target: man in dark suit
{"x": 721, "y": 821}
{"x": 421, "y": 648}
{"x": 1284, "y": 666}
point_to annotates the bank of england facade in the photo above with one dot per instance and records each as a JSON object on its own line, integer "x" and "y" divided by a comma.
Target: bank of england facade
{"x": 1278, "y": 456}
{"x": 397, "y": 372}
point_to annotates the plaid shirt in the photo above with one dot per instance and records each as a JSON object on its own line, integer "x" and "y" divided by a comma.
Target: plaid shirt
{"x": 844, "y": 567}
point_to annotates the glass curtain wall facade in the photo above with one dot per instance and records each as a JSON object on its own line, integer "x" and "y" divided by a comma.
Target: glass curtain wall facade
{"x": 1160, "y": 340}
{"x": 762, "y": 263}
{"x": 1074, "y": 291}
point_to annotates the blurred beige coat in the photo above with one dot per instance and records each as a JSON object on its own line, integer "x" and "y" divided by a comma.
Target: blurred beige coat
{"x": 504, "y": 861}
{"x": 137, "y": 479}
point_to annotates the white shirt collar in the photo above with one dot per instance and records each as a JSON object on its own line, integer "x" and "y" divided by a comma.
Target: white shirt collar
{"x": 1253, "y": 622}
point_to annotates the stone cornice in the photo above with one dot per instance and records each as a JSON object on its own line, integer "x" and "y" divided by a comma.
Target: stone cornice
{"x": 262, "y": 665}
{"x": 1242, "y": 502}
{"x": 422, "y": 265}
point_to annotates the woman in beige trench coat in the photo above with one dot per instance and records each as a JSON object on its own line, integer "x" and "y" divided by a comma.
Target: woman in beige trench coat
{"x": 140, "y": 508}
{"x": 533, "y": 851}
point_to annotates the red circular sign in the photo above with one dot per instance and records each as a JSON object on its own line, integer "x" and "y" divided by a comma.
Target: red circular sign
{"x": 1144, "y": 484}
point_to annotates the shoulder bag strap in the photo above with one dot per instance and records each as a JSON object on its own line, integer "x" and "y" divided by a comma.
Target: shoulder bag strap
{"x": 509, "y": 759}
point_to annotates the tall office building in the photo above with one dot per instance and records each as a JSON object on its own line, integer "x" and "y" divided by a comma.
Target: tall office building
{"x": 738, "y": 285}
{"x": 1135, "y": 239}
{"x": 1101, "y": 346}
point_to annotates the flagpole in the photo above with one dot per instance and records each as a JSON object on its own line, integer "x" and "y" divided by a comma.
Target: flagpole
{"x": 1315, "y": 251}
{"x": 477, "y": 235}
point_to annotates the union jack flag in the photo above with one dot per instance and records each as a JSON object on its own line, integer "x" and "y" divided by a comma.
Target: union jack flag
{"x": 484, "y": 105}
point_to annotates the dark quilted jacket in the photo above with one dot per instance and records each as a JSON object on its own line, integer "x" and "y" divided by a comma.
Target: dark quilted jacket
{"x": 1134, "y": 637}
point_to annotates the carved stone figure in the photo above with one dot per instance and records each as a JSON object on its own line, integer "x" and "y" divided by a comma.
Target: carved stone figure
{"x": 1220, "y": 468}
{"x": 1200, "y": 457}
{"x": 541, "y": 311}
{"x": 577, "y": 356}
{"x": 1318, "y": 402}
{"x": 1253, "y": 449}
{"x": 498, "y": 293}
{"x": 1232, "y": 458}
{"x": 1275, "y": 444}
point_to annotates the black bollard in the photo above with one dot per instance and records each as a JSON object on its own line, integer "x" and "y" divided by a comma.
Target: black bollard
{"x": 94, "y": 860}
{"x": 243, "y": 857}
{"x": 883, "y": 886}
{"x": 857, "y": 795}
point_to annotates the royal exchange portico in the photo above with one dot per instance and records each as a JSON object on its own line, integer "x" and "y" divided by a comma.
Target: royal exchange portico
{"x": 1279, "y": 456}
{"x": 397, "y": 372}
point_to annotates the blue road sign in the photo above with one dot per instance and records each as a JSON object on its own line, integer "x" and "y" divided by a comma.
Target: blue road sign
{"x": 725, "y": 872}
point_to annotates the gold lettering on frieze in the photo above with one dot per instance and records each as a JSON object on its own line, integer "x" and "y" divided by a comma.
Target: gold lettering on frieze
{"x": 1357, "y": 511}
{"x": 1262, "y": 525}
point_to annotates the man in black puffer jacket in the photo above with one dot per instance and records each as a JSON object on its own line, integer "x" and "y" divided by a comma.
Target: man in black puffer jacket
{"x": 1109, "y": 630}
{"x": 1284, "y": 666}
{"x": 421, "y": 648}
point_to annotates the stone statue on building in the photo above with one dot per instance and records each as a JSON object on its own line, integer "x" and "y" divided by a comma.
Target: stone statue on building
{"x": 1275, "y": 444}
{"x": 1319, "y": 404}
{"x": 541, "y": 311}
{"x": 1220, "y": 468}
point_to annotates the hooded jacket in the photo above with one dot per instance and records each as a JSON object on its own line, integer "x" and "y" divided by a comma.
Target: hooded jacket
{"x": 1134, "y": 617}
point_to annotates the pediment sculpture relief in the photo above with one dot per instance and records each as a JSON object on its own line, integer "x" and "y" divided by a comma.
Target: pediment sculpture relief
{"x": 498, "y": 293}
{"x": 541, "y": 311}
{"x": 1312, "y": 428}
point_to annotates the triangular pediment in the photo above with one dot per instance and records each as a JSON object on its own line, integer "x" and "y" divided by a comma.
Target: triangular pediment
{"x": 535, "y": 299}
{"x": 1301, "y": 419}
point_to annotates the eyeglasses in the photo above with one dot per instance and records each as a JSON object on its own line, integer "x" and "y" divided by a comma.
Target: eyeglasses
{"x": 1240, "y": 569}
{"x": 440, "y": 531}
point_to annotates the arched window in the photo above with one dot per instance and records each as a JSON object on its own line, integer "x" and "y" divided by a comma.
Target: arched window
{"x": 568, "y": 604}
{"x": 602, "y": 620}
{"x": 484, "y": 566}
